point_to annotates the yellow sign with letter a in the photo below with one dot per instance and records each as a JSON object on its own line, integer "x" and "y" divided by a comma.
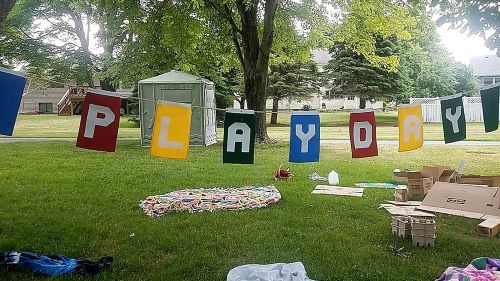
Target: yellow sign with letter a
{"x": 171, "y": 130}
{"x": 411, "y": 127}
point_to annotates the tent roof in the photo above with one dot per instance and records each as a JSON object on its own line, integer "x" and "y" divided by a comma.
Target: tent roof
{"x": 175, "y": 76}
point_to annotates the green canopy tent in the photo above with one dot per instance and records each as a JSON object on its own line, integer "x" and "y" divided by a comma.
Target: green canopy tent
{"x": 178, "y": 86}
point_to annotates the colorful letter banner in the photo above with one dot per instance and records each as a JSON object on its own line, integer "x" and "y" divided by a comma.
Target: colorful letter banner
{"x": 362, "y": 131}
{"x": 490, "y": 101}
{"x": 304, "y": 136}
{"x": 12, "y": 85}
{"x": 100, "y": 120}
{"x": 453, "y": 118}
{"x": 411, "y": 127}
{"x": 171, "y": 130}
{"x": 239, "y": 136}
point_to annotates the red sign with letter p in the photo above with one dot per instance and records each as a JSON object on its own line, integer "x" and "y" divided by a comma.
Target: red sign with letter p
{"x": 100, "y": 121}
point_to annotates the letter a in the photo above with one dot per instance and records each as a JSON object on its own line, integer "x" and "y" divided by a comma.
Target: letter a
{"x": 412, "y": 126}
{"x": 234, "y": 137}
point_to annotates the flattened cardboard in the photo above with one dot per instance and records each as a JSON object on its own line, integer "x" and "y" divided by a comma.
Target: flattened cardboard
{"x": 489, "y": 227}
{"x": 405, "y": 211}
{"x": 491, "y": 180}
{"x": 470, "y": 179}
{"x": 472, "y": 201}
{"x": 407, "y": 203}
{"x": 338, "y": 190}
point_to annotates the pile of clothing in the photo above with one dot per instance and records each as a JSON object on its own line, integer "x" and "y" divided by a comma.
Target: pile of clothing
{"x": 215, "y": 199}
{"x": 480, "y": 269}
{"x": 53, "y": 265}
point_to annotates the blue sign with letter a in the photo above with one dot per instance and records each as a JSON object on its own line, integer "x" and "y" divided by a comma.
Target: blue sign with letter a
{"x": 304, "y": 136}
{"x": 11, "y": 91}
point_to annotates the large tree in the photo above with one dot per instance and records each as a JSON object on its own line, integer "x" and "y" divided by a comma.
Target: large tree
{"x": 291, "y": 81}
{"x": 353, "y": 75}
{"x": 252, "y": 24}
{"x": 55, "y": 36}
{"x": 5, "y": 7}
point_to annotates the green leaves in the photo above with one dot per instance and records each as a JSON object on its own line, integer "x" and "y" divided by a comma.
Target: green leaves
{"x": 367, "y": 19}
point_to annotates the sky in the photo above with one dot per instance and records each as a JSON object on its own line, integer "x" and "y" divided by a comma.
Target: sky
{"x": 462, "y": 47}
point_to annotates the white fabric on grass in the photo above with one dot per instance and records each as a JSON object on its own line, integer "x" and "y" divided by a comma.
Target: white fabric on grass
{"x": 270, "y": 272}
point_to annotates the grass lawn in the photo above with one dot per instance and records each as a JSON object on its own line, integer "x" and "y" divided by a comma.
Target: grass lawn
{"x": 56, "y": 198}
{"x": 334, "y": 127}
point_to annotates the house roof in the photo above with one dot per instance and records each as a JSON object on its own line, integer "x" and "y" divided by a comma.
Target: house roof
{"x": 175, "y": 76}
{"x": 485, "y": 65}
{"x": 321, "y": 56}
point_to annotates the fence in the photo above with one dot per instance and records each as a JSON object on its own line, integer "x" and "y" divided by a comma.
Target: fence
{"x": 431, "y": 109}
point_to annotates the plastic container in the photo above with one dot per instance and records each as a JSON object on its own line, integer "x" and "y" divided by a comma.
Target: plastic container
{"x": 333, "y": 178}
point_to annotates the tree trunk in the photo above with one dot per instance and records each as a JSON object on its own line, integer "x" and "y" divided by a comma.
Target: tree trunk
{"x": 242, "y": 102}
{"x": 107, "y": 85}
{"x": 254, "y": 56}
{"x": 5, "y": 7}
{"x": 256, "y": 85}
{"x": 362, "y": 103}
{"x": 274, "y": 115}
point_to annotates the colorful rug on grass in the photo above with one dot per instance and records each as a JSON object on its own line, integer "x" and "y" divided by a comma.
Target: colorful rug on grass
{"x": 480, "y": 269}
{"x": 214, "y": 199}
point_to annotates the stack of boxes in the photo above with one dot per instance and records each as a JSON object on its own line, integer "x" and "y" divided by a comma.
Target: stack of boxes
{"x": 421, "y": 231}
{"x": 401, "y": 226}
{"x": 420, "y": 182}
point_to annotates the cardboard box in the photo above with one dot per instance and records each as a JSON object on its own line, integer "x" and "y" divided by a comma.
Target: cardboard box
{"x": 401, "y": 226}
{"x": 490, "y": 180}
{"x": 400, "y": 177}
{"x": 472, "y": 201}
{"x": 493, "y": 181}
{"x": 401, "y": 193}
{"x": 469, "y": 179}
{"x": 423, "y": 241}
{"x": 423, "y": 227}
{"x": 438, "y": 173}
{"x": 418, "y": 184}
{"x": 423, "y": 232}
{"x": 489, "y": 227}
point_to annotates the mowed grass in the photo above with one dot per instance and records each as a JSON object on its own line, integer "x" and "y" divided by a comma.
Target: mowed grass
{"x": 53, "y": 126}
{"x": 58, "y": 199}
{"x": 333, "y": 127}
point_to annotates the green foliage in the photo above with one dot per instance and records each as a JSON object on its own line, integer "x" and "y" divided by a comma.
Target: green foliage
{"x": 365, "y": 21}
{"x": 430, "y": 70}
{"x": 292, "y": 81}
{"x": 354, "y": 75}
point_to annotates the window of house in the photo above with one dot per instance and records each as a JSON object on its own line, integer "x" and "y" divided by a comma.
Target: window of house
{"x": 350, "y": 98}
{"x": 487, "y": 80}
{"x": 45, "y": 107}
{"x": 329, "y": 94}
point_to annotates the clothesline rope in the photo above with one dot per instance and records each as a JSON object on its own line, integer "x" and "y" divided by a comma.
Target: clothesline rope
{"x": 143, "y": 99}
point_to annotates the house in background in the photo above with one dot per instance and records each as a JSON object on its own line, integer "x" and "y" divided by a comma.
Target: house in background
{"x": 41, "y": 100}
{"x": 324, "y": 99}
{"x": 57, "y": 99}
{"x": 486, "y": 69}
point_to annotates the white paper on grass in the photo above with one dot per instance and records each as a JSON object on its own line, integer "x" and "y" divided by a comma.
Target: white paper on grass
{"x": 270, "y": 272}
